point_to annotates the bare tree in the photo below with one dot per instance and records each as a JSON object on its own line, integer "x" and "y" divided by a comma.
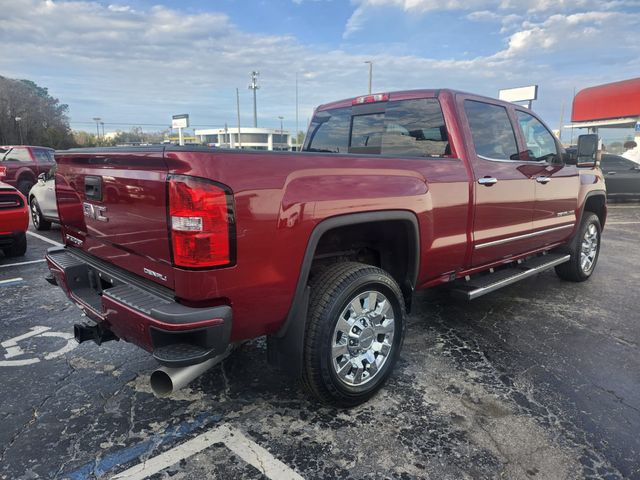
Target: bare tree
{"x": 29, "y": 115}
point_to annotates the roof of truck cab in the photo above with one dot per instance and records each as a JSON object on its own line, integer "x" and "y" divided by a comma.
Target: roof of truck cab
{"x": 408, "y": 95}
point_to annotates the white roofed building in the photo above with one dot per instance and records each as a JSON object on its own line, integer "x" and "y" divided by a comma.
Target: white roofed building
{"x": 248, "y": 138}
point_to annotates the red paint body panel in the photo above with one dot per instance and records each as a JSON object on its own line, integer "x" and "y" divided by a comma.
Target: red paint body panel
{"x": 611, "y": 100}
{"x": 280, "y": 197}
{"x": 13, "y": 219}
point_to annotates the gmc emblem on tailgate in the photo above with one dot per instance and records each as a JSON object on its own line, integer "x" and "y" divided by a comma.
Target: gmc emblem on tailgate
{"x": 94, "y": 211}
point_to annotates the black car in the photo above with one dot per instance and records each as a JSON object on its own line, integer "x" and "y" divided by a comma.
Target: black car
{"x": 621, "y": 175}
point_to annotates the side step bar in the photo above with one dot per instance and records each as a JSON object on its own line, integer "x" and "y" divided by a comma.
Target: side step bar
{"x": 483, "y": 284}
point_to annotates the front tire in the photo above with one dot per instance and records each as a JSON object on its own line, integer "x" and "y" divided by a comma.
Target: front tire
{"x": 354, "y": 333}
{"x": 36, "y": 216}
{"x": 584, "y": 250}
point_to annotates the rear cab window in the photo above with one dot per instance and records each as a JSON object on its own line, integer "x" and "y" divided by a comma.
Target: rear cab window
{"x": 403, "y": 128}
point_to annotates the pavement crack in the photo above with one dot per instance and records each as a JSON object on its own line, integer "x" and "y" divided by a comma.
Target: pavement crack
{"x": 34, "y": 415}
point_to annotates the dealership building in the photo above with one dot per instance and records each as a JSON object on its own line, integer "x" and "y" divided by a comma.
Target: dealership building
{"x": 246, "y": 138}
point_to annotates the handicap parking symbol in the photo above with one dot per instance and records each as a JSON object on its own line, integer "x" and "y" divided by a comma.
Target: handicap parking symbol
{"x": 12, "y": 348}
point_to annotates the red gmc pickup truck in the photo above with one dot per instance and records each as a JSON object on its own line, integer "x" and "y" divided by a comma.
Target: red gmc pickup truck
{"x": 186, "y": 251}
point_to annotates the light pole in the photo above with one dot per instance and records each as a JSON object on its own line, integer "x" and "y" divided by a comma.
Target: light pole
{"x": 281, "y": 129}
{"x": 102, "y": 125}
{"x": 97, "y": 120}
{"x": 19, "y": 122}
{"x": 254, "y": 86}
{"x": 370, "y": 73}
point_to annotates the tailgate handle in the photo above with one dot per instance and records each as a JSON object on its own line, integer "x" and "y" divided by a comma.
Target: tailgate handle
{"x": 93, "y": 187}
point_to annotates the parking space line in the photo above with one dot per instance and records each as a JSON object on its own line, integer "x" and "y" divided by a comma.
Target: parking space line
{"x": 623, "y": 223}
{"x": 101, "y": 466}
{"x": 11, "y": 281}
{"x": 22, "y": 263}
{"x": 44, "y": 239}
{"x": 242, "y": 446}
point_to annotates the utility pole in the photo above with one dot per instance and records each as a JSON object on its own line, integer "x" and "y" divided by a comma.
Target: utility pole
{"x": 238, "y": 106}
{"x": 297, "y": 128}
{"x": 97, "y": 120}
{"x": 561, "y": 121}
{"x": 254, "y": 86}
{"x": 370, "y": 74}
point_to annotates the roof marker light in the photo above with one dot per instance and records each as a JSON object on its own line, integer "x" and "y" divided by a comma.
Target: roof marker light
{"x": 376, "y": 97}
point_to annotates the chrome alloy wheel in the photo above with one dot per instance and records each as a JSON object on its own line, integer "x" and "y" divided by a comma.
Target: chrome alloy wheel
{"x": 589, "y": 248}
{"x": 34, "y": 214}
{"x": 362, "y": 338}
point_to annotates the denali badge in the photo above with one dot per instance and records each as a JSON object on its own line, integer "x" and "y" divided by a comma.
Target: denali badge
{"x": 155, "y": 274}
{"x": 564, "y": 214}
{"x": 73, "y": 239}
{"x": 94, "y": 211}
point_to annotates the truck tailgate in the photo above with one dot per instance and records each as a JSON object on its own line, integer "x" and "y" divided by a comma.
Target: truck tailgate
{"x": 113, "y": 205}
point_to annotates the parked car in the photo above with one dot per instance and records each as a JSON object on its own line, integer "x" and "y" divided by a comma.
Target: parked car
{"x": 14, "y": 221}
{"x": 321, "y": 250}
{"x": 621, "y": 175}
{"x": 20, "y": 165}
{"x": 42, "y": 201}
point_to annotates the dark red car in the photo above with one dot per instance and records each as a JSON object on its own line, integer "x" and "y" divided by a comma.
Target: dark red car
{"x": 14, "y": 221}
{"x": 20, "y": 165}
{"x": 185, "y": 251}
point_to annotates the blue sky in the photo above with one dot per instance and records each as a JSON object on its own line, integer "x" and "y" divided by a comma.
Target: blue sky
{"x": 137, "y": 62}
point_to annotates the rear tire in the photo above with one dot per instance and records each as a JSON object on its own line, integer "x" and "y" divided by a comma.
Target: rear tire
{"x": 19, "y": 247}
{"x": 36, "y": 216}
{"x": 24, "y": 186}
{"x": 354, "y": 333}
{"x": 584, "y": 250}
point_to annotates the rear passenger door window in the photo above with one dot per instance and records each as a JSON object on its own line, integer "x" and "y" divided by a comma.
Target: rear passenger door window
{"x": 44, "y": 157}
{"x": 540, "y": 143}
{"x": 491, "y": 130}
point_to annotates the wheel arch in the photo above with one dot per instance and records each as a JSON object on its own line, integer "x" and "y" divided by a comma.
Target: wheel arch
{"x": 285, "y": 346}
{"x": 596, "y": 202}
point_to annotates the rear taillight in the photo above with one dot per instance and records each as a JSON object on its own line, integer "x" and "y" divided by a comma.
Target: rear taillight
{"x": 201, "y": 223}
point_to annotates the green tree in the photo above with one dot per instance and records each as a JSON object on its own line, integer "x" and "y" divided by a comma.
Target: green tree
{"x": 29, "y": 115}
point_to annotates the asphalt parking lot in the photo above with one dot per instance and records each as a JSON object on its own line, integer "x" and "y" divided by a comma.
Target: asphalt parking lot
{"x": 540, "y": 380}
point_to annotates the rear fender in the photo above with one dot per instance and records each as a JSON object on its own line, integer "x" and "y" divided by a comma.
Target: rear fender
{"x": 285, "y": 348}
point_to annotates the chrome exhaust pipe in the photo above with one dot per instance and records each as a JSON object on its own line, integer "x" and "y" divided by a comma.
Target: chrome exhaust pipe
{"x": 166, "y": 380}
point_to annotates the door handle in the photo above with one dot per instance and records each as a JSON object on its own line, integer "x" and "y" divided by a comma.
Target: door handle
{"x": 611, "y": 173}
{"x": 487, "y": 181}
{"x": 543, "y": 180}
